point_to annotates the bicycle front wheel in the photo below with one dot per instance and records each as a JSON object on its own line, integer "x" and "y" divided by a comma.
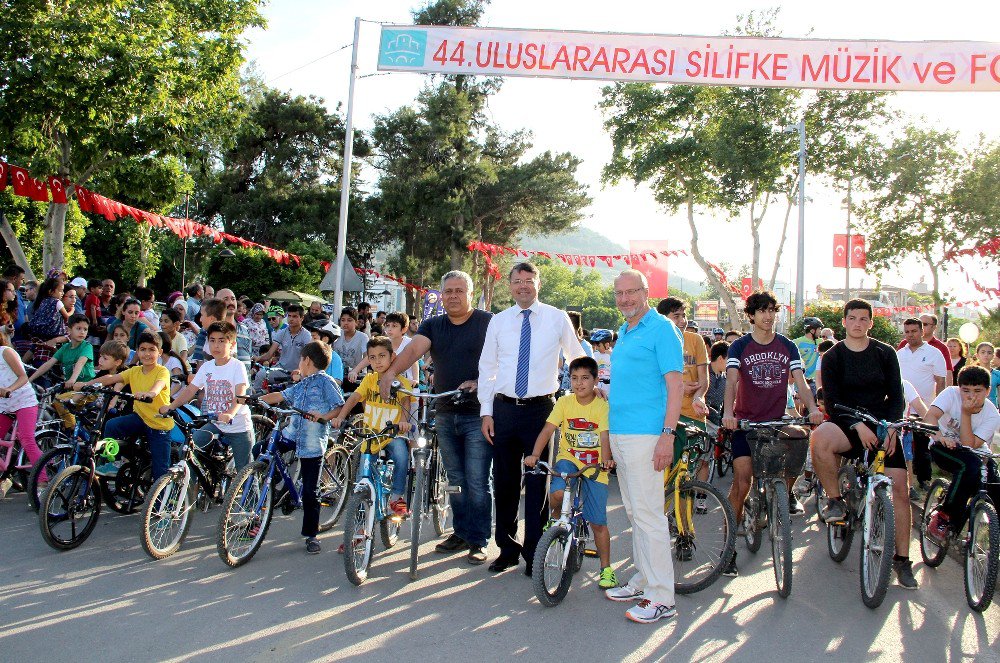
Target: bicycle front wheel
{"x": 246, "y": 515}
{"x": 70, "y": 508}
{"x": 334, "y": 484}
{"x": 932, "y": 550}
{"x": 126, "y": 492}
{"x": 703, "y": 538}
{"x": 981, "y": 556}
{"x": 166, "y": 518}
{"x": 781, "y": 539}
{"x": 418, "y": 502}
{"x": 359, "y": 541}
{"x": 552, "y": 577}
{"x": 876, "y": 550}
{"x": 441, "y": 499}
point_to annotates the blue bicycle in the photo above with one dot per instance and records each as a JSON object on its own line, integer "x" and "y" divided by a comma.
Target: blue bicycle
{"x": 258, "y": 489}
{"x": 368, "y": 505}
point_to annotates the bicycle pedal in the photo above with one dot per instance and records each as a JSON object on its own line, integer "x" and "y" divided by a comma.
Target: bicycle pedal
{"x": 396, "y": 519}
{"x": 454, "y": 490}
{"x": 590, "y": 552}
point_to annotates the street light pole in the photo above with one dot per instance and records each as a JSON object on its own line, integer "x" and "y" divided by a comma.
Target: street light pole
{"x": 184, "y": 254}
{"x": 800, "y": 279}
{"x": 345, "y": 181}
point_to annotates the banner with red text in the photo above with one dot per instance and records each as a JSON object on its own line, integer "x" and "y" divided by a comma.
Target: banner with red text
{"x": 840, "y": 64}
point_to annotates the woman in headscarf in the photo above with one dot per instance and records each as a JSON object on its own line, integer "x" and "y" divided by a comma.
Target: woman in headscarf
{"x": 257, "y": 327}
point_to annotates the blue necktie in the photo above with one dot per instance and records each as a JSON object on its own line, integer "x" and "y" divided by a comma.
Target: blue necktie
{"x": 523, "y": 357}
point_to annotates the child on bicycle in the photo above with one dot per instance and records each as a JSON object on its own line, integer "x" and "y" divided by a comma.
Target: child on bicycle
{"x": 582, "y": 418}
{"x": 967, "y": 420}
{"x": 318, "y": 394}
{"x": 151, "y": 381}
{"x": 224, "y": 380}
{"x": 379, "y": 412}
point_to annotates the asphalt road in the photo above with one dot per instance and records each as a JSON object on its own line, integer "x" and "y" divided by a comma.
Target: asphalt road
{"x": 108, "y": 600}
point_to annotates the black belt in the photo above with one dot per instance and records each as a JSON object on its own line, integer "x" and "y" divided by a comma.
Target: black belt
{"x": 524, "y": 401}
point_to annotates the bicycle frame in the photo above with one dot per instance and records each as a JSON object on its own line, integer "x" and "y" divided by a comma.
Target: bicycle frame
{"x": 9, "y": 444}
{"x": 276, "y": 463}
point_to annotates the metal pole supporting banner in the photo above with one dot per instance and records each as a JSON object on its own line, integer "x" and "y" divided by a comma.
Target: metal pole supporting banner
{"x": 800, "y": 279}
{"x": 847, "y": 264}
{"x": 345, "y": 181}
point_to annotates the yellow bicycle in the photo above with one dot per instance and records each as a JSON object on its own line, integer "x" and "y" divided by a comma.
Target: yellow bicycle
{"x": 701, "y": 520}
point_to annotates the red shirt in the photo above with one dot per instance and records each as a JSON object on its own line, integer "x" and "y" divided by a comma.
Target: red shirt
{"x": 92, "y": 307}
{"x": 940, "y": 346}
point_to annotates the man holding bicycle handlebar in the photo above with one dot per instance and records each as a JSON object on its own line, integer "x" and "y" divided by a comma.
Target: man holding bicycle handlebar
{"x": 757, "y": 372}
{"x": 861, "y": 372}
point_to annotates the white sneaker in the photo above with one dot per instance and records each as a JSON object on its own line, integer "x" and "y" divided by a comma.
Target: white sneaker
{"x": 623, "y": 594}
{"x": 802, "y": 486}
{"x": 647, "y": 612}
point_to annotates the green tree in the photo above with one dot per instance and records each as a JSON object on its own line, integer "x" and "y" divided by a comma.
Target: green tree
{"x": 912, "y": 211}
{"x": 89, "y": 84}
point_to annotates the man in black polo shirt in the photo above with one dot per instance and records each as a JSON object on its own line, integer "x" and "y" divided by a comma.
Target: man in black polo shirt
{"x": 455, "y": 341}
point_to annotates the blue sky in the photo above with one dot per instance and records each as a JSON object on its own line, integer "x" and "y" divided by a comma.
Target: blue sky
{"x": 562, "y": 115}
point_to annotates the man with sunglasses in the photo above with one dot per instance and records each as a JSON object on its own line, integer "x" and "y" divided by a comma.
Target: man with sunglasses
{"x": 928, "y": 326}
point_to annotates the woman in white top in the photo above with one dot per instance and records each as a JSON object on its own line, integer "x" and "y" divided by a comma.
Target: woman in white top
{"x": 17, "y": 398}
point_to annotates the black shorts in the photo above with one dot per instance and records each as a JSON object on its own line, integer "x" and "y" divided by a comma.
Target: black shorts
{"x": 857, "y": 450}
{"x": 741, "y": 447}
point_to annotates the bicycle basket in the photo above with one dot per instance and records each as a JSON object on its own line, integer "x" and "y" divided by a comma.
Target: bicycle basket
{"x": 778, "y": 453}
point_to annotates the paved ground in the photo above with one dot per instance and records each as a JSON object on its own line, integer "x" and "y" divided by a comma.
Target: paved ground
{"x": 108, "y": 599}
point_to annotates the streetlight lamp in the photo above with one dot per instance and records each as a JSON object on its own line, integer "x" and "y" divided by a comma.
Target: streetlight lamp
{"x": 800, "y": 281}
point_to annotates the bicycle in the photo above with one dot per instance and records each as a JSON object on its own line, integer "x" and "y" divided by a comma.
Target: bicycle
{"x": 64, "y": 451}
{"x": 369, "y": 504}
{"x": 14, "y": 464}
{"x": 981, "y": 543}
{"x": 560, "y": 552}
{"x": 76, "y": 494}
{"x": 428, "y": 492}
{"x": 778, "y": 450}
{"x": 199, "y": 479}
{"x": 867, "y": 492}
{"x": 720, "y": 460}
{"x": 266, "y": 484}
{"x": 702, "y": 537}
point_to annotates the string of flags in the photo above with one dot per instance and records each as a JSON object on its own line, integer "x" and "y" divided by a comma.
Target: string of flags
{"x": 23, "y": 184}
{"x": 492, "y": 251}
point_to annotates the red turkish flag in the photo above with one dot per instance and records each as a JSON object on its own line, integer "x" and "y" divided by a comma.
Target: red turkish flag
{"x": 859, "y": 256}
{"x": 58, "y": 190}
{"x": 22, "y": 181}
{"x": 40, "y": 190}
{"x": 747, "y": 286}
{"x": 655, "y": 269}
{"x": 3, "y": 174}
{"x": 840, "y": 250}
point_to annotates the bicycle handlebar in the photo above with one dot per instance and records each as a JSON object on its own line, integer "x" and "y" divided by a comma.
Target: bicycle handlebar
{"x": 286, "y": 411}
{"x": 745, "y": 424}
{"x": 908, "y": 424}
{"x": 542, "y": 467}
{"x": 101, "y": 389}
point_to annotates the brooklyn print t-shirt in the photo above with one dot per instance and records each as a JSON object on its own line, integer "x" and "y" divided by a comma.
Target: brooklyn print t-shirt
{"x": 764, "y": 369}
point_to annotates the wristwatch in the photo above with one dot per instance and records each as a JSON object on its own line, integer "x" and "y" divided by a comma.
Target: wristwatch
{"x": 667, "y": 430}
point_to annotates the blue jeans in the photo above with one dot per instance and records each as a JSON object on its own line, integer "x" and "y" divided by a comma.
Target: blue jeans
{"x": 399, "y": 451}
{"x": 239, "y": 442}
{"x": 467, "y": 457}
{"x": 130, "y": 427}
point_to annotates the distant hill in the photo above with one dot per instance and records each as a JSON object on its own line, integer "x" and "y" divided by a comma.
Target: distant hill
{"x": 583, "y": 241}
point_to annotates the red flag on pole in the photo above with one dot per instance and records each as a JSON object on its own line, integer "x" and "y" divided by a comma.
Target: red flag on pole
{"x": 859, "y": 256}
{"x": 655, "y": 269}
{"x": 840, "y": 250}
{"x": 3, "y": 174}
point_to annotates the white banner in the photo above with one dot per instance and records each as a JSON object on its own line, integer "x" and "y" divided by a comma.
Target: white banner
{"x": 747, "y": 61}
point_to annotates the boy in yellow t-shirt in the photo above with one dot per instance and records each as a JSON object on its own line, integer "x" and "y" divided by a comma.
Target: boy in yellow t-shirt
{"x": 582, "y": 419}
{"x": 379, "y": 412}
{"x": 151, "y": 382}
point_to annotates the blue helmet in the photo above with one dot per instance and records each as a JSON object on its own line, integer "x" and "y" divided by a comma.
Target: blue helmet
{"x": 600, "y": 335}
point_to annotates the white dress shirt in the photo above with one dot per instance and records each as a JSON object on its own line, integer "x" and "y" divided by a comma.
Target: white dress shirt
{"x": 551, "y": 331}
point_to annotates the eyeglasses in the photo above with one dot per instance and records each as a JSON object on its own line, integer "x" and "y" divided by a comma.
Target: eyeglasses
{"x": 628, "y": 293}
{"x": 272, "y": 319}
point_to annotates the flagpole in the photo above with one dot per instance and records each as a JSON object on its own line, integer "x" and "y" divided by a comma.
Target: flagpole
{"x": 345, "y": 180}
{"x": 847, "y": 264}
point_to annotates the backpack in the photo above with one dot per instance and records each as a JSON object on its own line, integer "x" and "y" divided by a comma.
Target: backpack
{"x": 46, "y": 321}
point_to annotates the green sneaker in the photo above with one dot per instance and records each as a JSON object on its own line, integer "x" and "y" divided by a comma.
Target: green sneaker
{"x": 608, "y": 578}
{"x": 549, "y": 524}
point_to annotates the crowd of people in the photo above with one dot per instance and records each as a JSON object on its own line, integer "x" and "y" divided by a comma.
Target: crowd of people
{"x": 621, "y": 399}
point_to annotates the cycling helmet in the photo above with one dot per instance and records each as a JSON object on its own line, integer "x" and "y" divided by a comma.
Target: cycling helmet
{"x": 600, "y": 335}
{"x": 811, "y": 323}
{"x": 275, "y": 311}
{"x": 326, "y": 329}
{"x": 719, "y": 331}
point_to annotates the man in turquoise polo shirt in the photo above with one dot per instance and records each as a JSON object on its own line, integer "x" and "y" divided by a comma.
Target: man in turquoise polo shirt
{"x": 645, "y": 400}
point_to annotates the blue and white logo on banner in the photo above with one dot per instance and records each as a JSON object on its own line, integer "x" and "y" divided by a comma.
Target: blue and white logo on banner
{"x": 433, "y": 304}
{"x": 402, "y": 48}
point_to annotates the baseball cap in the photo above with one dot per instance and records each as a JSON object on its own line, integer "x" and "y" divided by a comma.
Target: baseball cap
{"x": 79, "y": 282}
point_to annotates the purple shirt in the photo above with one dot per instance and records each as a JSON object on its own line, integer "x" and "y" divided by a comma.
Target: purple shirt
{"x": 762, "y": 392}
